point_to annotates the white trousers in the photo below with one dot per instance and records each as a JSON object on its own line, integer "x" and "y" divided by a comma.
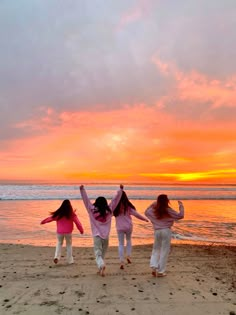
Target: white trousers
{"x": 121, "y": 237}
{"x": 161, "y": 249}
{"x": 100, "y": 249}
{"x": 60, "y": 239}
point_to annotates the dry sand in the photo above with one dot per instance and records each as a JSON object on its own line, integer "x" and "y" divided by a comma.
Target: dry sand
{"x": 200, "y": 280}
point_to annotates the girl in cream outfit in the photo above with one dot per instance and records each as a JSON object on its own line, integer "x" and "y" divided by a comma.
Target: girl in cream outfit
{"x": 162, "y": 217}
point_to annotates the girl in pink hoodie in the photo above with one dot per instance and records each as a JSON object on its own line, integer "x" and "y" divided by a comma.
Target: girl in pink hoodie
{"x": 65, "y": 217}
{"x": 124, "y": 226}
{"x": 100, "y": 215}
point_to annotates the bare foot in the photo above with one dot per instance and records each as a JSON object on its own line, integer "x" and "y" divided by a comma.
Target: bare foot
{"x": 154, "y": 272}
{"x": 128, "y": 260}
{"x": 161, "y": 274}
{"x": 102, "y": 271}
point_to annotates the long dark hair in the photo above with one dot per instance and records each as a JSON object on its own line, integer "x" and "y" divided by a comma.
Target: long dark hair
{"x": 126, "y": 203}
{"x": 163, "y": 203}
{"x": 65, "y": 210}
{"x": 101, "y": 206}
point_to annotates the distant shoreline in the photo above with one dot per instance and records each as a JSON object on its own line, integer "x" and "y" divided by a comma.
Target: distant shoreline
{"x": 78, "y": 183}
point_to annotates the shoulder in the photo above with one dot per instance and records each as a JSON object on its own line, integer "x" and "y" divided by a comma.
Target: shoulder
{"x": 169, "y": 209}
{"x": 152, "y": 206}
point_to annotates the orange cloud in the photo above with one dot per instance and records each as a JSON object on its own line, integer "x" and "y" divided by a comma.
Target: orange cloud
{"x": 140, "y": 143}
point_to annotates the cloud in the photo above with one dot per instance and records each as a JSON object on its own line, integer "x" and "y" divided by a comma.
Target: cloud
{"x": 136, "y": 13}
{"x": 193, "y": 89}
{"x": 125, "y": 87}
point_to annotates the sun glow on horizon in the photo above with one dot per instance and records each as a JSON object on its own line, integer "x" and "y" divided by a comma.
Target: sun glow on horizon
{"x": 212, "y": 176}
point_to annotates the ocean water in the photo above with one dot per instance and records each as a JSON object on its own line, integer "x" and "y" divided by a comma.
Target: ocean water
{"x": 210, "y": 212}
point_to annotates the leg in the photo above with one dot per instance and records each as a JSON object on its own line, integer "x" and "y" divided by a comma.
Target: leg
{"x": 69, "y": 256}
{"x": 60, "y": 238}
{"x": 105, "y": 243}
{"x": 128, "y": 245}
{"x": 121, "y": 236}
{"x": 98, "y": 251}
{"x": 154, "y": 261}
{"x": 165, "y": 249}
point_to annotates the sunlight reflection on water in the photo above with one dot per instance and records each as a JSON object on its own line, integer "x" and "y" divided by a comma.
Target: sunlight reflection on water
{"x": 205, "y": 220}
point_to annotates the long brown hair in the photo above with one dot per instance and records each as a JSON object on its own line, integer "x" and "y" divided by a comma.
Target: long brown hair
{"x": 65, "y": 210}
{"x": 102, "y": 207}
{"x": 126, "y": 203}
{"x": 163, "y": 203}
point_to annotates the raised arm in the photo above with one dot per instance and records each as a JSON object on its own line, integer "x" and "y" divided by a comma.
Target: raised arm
{"x": 87, "y": 202}
{"x": 47, "y": 220}
{"x": 116, "y": 199}
{"x": 177, "y": 215}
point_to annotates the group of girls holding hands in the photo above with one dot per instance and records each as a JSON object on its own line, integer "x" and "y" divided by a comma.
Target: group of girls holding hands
{"x": 100, "y": 213}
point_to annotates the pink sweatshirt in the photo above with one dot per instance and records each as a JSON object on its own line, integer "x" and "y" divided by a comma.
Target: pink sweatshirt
{"x": 124, "y": 221}
{"x": 165, "y": 222}
{"x": 100, "y": 227}
{"x": 64, "y": 225}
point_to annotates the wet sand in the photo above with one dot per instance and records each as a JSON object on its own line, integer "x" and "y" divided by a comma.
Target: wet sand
{"x": 200, "y": 279}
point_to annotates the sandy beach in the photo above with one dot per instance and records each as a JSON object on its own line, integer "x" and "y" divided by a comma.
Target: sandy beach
{"x": 201, "y": 279}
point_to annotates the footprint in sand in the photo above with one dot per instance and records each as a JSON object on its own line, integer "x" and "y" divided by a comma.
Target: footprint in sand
{"x": 37, "y": 293}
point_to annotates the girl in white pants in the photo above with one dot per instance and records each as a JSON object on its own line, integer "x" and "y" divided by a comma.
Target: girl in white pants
{"x": 65, "y": 218}
{"x": 60, "y": 239}
{"x": 122, "y": 236}
{"x": 124, "y": 226}
{"x": 161, "y": 249}
{"x": 162, "y": 217}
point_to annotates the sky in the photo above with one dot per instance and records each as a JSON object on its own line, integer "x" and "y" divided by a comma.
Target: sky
{"x": 118, "y": 91}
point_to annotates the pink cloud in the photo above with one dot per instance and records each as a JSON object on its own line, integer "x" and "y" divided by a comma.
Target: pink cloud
{"x": 142, "y": 8}
{"x": 195, "y": 86}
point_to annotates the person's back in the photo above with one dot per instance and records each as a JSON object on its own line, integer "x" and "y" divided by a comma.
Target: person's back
{"x": 65, "y": 218}
{"x": 162, "y": 217}
{"x": 124, "y": 226}
{"x": 100, "y": 215}
{"x": 66, "y": 225}
{"x": 165, "y": 221}
{"x": 100, "y": 223}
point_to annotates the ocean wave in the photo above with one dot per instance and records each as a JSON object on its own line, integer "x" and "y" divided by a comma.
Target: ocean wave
{"x": 138, "y": 192}
{"x": 197, "y": 239}
{"x": 71, "y": 197}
